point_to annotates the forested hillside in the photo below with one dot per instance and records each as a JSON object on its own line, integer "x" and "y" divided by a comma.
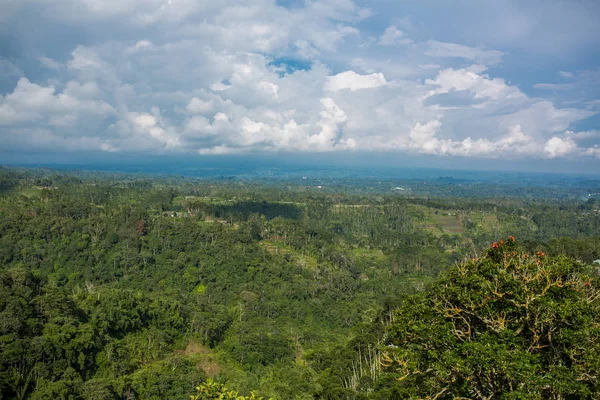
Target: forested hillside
{"x": 141, "y": 287}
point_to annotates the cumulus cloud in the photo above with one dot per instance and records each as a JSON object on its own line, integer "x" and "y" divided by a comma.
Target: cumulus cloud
{"x": 231, "y": 77}
{"x": 281, "y": 133}
{"x": 592, "y": 151}
{"x": 353, "y": 81}
{"x": 423, "y": 139}
{"x": 197, "y": 106}
{"x": 558, "y": 147}
{"x": 472, "y": 79}
{"x": 332, "y": 117}
{"x": 142, "y": 45}
{"x": 219, "y": 86}
{"x": 33, "y": 103}
{"x": 84, "y": 58}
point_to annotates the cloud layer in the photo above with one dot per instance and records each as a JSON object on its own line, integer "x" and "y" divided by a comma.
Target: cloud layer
{"x": 198, "y": 77}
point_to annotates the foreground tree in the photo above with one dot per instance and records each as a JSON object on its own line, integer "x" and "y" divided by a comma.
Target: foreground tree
{"x": 505, "y": 326}
{"x": 214, "y": 390}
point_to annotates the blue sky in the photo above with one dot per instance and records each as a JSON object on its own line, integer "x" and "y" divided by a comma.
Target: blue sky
{"x": 467, "y": 82}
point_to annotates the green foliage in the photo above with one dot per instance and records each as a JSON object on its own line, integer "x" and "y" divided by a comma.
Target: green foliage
{"x": 213, "y": 390}
{"x": 122, "y": 286}
{"x": 172, "y": 378}
{"x": 506, "y": 325}
{"x": 252, "y": 348}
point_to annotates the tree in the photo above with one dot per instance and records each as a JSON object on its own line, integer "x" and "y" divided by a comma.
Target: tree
{"x": 214, "y": 390}
{"x": 506, "y": 325}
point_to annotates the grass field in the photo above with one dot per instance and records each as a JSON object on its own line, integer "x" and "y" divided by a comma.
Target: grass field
{"x": 439, "y": 222}
{"x": 485, "y": 222}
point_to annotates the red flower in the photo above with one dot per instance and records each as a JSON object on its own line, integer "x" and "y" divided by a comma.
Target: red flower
{"x": 495, "y": 245}
{"x": 512, "y": 238}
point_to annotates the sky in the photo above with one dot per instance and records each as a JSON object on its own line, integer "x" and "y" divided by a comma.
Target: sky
{"x": 467, "y": 83}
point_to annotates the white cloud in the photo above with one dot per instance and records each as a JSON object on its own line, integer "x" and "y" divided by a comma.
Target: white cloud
{"x": 471, "y": 79}
{"x": 555, "y": 86}
{"x": 392, "y": 35}
{"x": 151, "y": 126}
{"x": 199, "y": 124}
{"x": 142, "y": 44}
{"x": 584, "y": 135}
{"x": 332, "y": 120}
{"x": 557, "y": 147}
{"x": 218, "y": 150}
{"x": 84, "y": 57}
{"x": 353, "y": 81}
{"x": 423, "y": 138}
{"x": 362, "y": 64}
{"x": 219, "y": 87}
{"x": 234, "y": 76}
{"x": 280, "y": 132}
{"x": 592, "y": 151}
{"x": 339, "y": 10}
{"x": 270, "y": 89}
{"x": 481, "y": 56}
{"x": 32, "y": 103}
{"x": 566, "y": 74}
{"x": 422, "y": 134}
{"x": 50, "y": 63}
{"x": 198, "y": 106}
{"x": 543, "y": 117}
{"x": 221, "y": 117}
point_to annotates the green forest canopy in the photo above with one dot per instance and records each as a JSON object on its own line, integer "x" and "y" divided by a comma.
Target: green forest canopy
{"x": 126, "y": 287}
